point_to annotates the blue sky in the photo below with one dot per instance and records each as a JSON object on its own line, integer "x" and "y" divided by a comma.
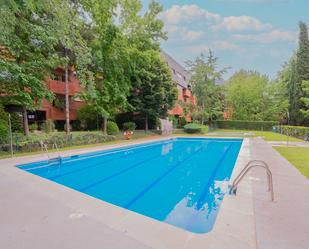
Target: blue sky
{"x": 250, "y": 34}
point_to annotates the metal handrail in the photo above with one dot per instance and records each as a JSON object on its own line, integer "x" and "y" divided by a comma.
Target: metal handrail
{"x": 44, "y": 149}
{"x": 55, "y": 146}
{"x": 249, "y": 163}
{"x": 245, "y": 170}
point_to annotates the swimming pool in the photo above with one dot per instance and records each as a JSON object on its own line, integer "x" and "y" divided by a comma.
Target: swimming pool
{"x": 180, "y": 181}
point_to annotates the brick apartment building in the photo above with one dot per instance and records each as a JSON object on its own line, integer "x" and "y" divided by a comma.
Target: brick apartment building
{"x": 56, "y": 110}
{"x": 181, "y": 78}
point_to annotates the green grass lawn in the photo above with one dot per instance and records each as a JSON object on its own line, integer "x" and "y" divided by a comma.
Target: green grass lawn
{"x": 298, "y": 156}
{"x": 267, "y": 135}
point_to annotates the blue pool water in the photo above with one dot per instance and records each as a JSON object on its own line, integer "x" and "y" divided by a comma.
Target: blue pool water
{"x": 179, "y": 181}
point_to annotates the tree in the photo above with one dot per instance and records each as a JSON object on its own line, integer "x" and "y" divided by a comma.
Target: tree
{"x": 28, "y": 35}
{"x": 204, "y": 74}
{"x": 72, "y": 46}
{"x": 110, "y": 67}
{"x": 305, "y": 99}
{"x": 252, "y": 96}
{"x": 302, "y": 70}
{"x": 153, "y": 90}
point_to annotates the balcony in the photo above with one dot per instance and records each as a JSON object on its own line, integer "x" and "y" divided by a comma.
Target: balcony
{"x": 58, "y": 87}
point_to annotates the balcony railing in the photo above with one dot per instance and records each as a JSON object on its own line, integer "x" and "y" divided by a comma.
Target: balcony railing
{"x": 59, "y": 87}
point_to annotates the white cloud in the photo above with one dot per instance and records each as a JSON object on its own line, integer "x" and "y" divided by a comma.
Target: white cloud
{"x": 241, "y": 23}
{"x": 269, "y": 37}
{"x": 225, "y": 45}
{"x": 187, "y": 13}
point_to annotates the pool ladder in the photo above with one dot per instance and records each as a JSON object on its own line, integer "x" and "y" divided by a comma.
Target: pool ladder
{"x": 251, "y": 164}
{"x": 45, "y": 149}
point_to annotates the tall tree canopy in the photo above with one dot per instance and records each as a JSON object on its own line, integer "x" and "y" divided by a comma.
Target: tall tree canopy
{"x": 252, "y": 96}
{"x": 28, "y": 34}
{"x": 204, "y": 74}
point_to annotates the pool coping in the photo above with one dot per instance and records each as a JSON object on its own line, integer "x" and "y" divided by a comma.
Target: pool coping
{"x": 234, "y": 225}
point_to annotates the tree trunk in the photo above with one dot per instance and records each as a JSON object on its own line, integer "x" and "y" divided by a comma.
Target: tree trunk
{"x": 105, "y": 125}
{"x": 67, "y": 104}
{"x": 25, "y": 121}
{"x": 146, "y": 123}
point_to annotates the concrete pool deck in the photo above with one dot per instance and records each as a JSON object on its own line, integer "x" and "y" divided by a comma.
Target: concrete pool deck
{"x": 37, "y": 213}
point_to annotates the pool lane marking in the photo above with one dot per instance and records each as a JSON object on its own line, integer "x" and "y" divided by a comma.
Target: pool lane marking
{"x": 158, "y": 179}
{"x": 211, "y": 178}
{"x": 201, "y": 199}
{"x": 120, "y": 172}
{"x": 83, "y": 157}
{"x": 104, "y": 163}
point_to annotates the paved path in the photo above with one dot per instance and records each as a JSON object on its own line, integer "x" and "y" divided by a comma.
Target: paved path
{"x": 283, "y": 224}
{"x": 281, "y": 143}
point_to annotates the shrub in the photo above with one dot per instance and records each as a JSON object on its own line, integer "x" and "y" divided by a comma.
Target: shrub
{"x": 4, "y": 126}
{"x": 195, "y": 128}
{"x": 87, "y": 117}
{"x": 295, "y": 131}
{"x": 16, "y": 122}
{"x": 33, "y": 127}
{"x": 48, "y": 126}
{"x": 129, "y": 126}
{"x": 112, "y": 128}
{"x": 246, "y": 125}
{"x": 181, "y": 122}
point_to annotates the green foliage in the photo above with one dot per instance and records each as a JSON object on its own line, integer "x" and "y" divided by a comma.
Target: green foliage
{"x": 295, "y": 131}
{"x": 153, "y": 90}
{"x": 87, "y": 117}
{"x": 195, "y": 128}
{"x": 48, "y": 126}
{"x": 129, "y": 126}
{"x": 252, "y": 96}
{"x": 305, "y": 99}
{"x": 209, "y": 95}
{"x": 16, "y": 122}
{"x": 27, "y": 32}
{"x": 246, "y": 125}
{"x": 293, "y": 74}
{"x": 181, "y": 122}
{"x": 32, "y": 142}
{"x": 4, "y": 127}
{"x": 112, "y": 128}
{"x": 33, "y": 127}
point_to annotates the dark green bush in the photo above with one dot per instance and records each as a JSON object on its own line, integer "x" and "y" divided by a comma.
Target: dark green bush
{"x": 246, "y": 125}
{"x": 181, "y": 122}
{"x": 16, "y": 122}
{"x": 33, "y": 127}
{"x": 295, "y": 131}
{"x": 48, "y": 126}
{"x": 112, "y": 128}
{"x": 195, "y": 128}
{"x": 129, "y": 126}
{"x": 4, "y": 126}
{"x": 87, "y": 117}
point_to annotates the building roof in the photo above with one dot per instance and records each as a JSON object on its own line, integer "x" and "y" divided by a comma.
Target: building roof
{"x": 179, "y": 73}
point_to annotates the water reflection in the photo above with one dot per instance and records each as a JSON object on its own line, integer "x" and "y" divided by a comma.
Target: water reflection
{"x": 190, "y": 215}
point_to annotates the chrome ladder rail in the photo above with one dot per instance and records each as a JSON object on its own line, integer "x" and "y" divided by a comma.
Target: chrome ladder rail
{"x": 251, "y": 164}
{"x": 45, "y": 149}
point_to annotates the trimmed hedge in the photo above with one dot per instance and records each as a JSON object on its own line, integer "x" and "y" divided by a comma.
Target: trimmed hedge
{"x": 112, "y": 128}
{"x": 129, "y": 126}
{"x": 295, "y": 131}
{"x": 246, "y": 125}
{"x": 32, "y": 143}
{"x": 195, "y": 128}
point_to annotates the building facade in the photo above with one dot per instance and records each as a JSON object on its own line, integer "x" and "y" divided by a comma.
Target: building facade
{"x": 55, "y": 110}
{"x": 181, "y": 78}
